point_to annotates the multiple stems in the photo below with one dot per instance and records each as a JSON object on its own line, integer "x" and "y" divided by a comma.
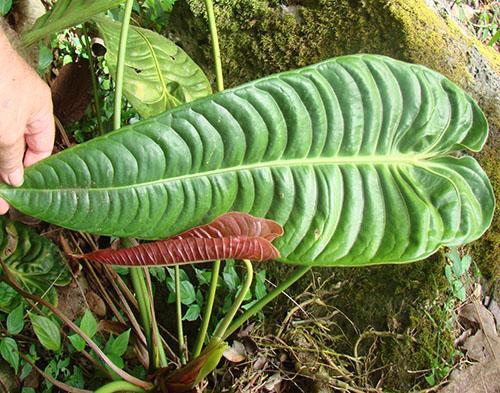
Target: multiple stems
{"x": 226, "y": 321}
{"x": 259, "y": 305}
{"x": 137, "y": 275}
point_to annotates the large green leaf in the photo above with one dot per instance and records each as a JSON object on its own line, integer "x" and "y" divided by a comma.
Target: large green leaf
{"x": 158, "y": 74}
{"x": 35, "y": 262}
{"x": 64, "y": 14}
{"x": 353, "y": 156}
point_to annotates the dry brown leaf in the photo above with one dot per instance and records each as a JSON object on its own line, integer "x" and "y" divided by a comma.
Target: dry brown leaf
{"x": 477, "y": 378}
{"x": 485, "y": 344}
{"x": 236, "y": 353}
{"x": 272, "y": 385}
{"x": 71, "y": 91}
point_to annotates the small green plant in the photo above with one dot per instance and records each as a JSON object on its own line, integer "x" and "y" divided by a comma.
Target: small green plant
{"x": 456, "y": 273}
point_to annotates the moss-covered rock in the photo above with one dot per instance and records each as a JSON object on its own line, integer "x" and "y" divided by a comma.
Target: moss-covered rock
{"x": 260, "y": 37}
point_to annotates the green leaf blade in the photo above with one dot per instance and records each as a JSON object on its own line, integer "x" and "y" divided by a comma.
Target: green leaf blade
{"x": 88, "y": 324}
{"x": 354, "y": 157}
{"x": 159, "y": 75}
{"x": 15, "y": 320}
{"x": 10, "y": 352}
{"x": 5, "y": 7}
{"x": 120, "y": 344}
{"x": 47, "y": 331}
{"x": 64, "y": 14}
{"x": 36, "y": 262}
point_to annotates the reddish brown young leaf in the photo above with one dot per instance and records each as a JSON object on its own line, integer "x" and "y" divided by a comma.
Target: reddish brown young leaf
{"x": 232, "y": 235}
{"x": 188, "y": 376}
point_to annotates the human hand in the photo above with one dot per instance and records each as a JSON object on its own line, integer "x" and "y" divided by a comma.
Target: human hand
{"x": 26, "y": 118}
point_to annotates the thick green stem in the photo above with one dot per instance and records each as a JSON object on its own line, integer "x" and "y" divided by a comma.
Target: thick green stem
{"x": 95, "y": 88}
{"x": 159, "y": 356}
{"x": 120, "y": 65}
{"x": 224, "y": 325}
{"x": 180, "y": 330}
{"x": 119, "y": 386}
{"x": 216, "y": 266}
{"x": 296, "y": 275}
{"x": 141, "y": 294}
{"x": 215, "y": 45}
{"x": 207, "y": 314}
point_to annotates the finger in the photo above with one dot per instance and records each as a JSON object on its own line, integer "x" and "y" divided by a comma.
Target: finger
{"x": 40, "y": 137}
{"x": 4, "y": 207}
{"x": 11, "y": 162}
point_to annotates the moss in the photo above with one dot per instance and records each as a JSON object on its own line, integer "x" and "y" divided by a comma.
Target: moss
{"x": 486, "y": 251}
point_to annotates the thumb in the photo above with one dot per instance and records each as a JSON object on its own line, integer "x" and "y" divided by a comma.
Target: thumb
{"x": 11, "y": 162}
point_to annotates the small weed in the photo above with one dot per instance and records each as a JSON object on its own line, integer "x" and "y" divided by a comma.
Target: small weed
{"x": 481, "y": 18}
{"x": 456, "y": 273}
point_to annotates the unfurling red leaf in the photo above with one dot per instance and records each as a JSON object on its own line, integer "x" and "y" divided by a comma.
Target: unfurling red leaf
{"x": 232, "y": 235}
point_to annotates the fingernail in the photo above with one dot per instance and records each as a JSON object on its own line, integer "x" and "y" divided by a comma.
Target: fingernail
{"x": 16, "y": 178}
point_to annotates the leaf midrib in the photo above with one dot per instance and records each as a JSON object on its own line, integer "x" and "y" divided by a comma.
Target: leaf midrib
{"x": 417, "y": 160}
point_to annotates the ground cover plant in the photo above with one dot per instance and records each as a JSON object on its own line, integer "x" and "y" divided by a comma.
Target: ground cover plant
{"x": 354, "y": 161}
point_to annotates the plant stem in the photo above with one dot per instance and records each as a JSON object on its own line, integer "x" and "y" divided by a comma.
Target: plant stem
{"x": 297, "y": 274}
{"x": 93, "y": 75}
{"x": 139, "y": 284}
{"x": 219, "y": 79}
{"x": 224, "y": 325}
{"x": 120, "y": 65}
{"x": 159, "y": 356}
{"x": 207, "y": 314}
{"x": 215, "y": 45}
{"x": 119, "y": 386}
{"x": 180, "y": 330}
